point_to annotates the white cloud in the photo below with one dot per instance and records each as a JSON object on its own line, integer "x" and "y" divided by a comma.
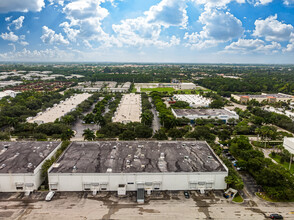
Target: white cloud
{"x": 9, "y": 36}
{"x": 17, "y": 23}
{"x": 216, "y": 3}
{"x": 23, "y": 43}
{"x": 70, "y": 32}
{"x": 246, "y": 46}
{"x": 8, "y": 18}
{"x": 272, "y": 29}
{"x": 218, "y": 27}
{"x": 38, "y": 55}
{"x": 49, "y": 36}
{"x": 146, "y": 30}
{"x": 86, "y": 16}
{"x": 60, "y": 2}
{"x": 168, "y": 13}
{"x": 288, "y": 2}
{"x": 21, "y": 5}
{"x": 259, "y": 2}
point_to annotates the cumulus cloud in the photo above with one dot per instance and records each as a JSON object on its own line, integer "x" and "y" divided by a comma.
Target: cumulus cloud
{"x": 259, "y": 2}
{"x": 49, "y": 36}
{"x": 216, "y": 3}
{"x": 288, "y": 2}
{"x": 8, "y": 18}
{"x": 54, "y": 54}
{"x": 17, "y": 23}
{"x": 246, "y": 46}
{"x": 145, "y": 30}
{"x": 272, "y": 29}
{"x": 168, "y": 13}
{"x": 218, "y": 27}
{"x": 9, "y": 36}
{"x": 21, "y": 5}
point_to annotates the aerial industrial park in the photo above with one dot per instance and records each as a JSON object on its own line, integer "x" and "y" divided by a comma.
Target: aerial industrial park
{"x": 137, "y": 145}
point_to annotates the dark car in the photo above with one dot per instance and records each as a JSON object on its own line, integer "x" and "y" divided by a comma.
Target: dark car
{"x": 186, "y": 194}
{"x": 276, "y": 216}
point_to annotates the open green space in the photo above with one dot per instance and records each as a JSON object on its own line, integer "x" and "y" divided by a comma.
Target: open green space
{"x": 285, "y": 164}
{"x": 157, "y": 90}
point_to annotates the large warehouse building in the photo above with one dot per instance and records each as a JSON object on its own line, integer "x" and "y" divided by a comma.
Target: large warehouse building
{"x": 271, "y": 98}
{"x": 193, "y": 114}
{"x": 129, "y": 109}
{"x": 21, "y": 162}
{"x": 59, "y": 110}
{"x": 138, "y": 166}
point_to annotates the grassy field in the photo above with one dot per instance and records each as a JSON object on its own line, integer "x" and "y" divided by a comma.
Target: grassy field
{"x": 169, "y": 90}
{"x": 238, "y": 198}
{"x": 277, "y": 158}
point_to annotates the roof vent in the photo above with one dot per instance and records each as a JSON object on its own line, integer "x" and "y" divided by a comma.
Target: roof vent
{"x": 162, "y": 155}
{"x": 41, "y": 155}
{"x": 2, "y": 166}
{"x": 6, "y": 147}
{"x": 74, "y": 169}
{"x": 109, "y": 170}
{"x": 209, "y": 157}
{"x": 30, "y": 165}
{"x": 186, "y": 157}
{"x": 114, "y": 147}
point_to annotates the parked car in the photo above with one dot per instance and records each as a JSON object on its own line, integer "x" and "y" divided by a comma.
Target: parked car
{"x": 276, "y": 216}
{"x": 50, "y": 196}
{"x": 186, "y": 194}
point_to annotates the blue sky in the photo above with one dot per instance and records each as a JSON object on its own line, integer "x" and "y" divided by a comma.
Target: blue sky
{"x": 188, "y": 31}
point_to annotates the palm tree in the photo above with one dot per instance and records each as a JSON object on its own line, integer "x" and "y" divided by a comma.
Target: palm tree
{"x": 88, "y": 135}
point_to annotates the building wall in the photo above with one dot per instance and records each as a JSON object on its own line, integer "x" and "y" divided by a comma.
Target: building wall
{"x": 224, "y": 118}
{"x": 133, "y": 181}
{"x": 8, "y": 181}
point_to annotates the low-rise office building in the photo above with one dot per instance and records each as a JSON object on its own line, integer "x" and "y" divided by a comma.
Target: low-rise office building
{"x": 21, "y": 163}
{"x": 271, "y": 98}
{"x": 193, "y": 114}
{"x": 138, "y": 165}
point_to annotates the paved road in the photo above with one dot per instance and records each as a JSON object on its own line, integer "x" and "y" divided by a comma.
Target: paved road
{"x": 156, "y": 121}
{"x": 235, "y": 105}
{"x": 79, "y": 127}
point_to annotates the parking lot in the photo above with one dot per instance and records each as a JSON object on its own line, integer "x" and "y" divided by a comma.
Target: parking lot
{"x": 161, "y": 205}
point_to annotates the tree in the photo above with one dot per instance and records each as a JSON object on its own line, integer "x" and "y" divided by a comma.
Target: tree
{"x": 143, "y": 131}
{"x": 217, "y": 104}
{"x": 67, "y": 135}
{"x": 160, "y": 135}
{"x": 88, "y": 135}
{"x": 127, "y": 135}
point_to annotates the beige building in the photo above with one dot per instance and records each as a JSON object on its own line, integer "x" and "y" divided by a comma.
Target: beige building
{"x": 271, "y": 98}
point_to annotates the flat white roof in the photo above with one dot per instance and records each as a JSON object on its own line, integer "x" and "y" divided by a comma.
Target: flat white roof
{"x": 193, "y": 100}
{"x": 61, "y": 109}
{"x": 129, "y": 109}
{"x": 289, "y": 144}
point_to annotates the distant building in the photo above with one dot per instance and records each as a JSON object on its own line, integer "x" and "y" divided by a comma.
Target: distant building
{"x": 193, "y": 114}
{"x": 8, "y": 93}
{"x": 183, "y": 86}
{"x": 21, "y": 163}
{"x": 194, "y": 101}
{"x": 138, "y": 166}
{"x": 271, "y": 98}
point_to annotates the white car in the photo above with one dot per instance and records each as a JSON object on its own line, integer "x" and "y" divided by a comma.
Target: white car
{"x": 50, "y": 196}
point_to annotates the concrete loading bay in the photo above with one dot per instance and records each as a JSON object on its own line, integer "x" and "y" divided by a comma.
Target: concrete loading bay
{"x": 163, "y": 205}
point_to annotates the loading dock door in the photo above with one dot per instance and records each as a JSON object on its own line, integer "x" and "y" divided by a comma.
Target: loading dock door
{"x": 140, "y": 195}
